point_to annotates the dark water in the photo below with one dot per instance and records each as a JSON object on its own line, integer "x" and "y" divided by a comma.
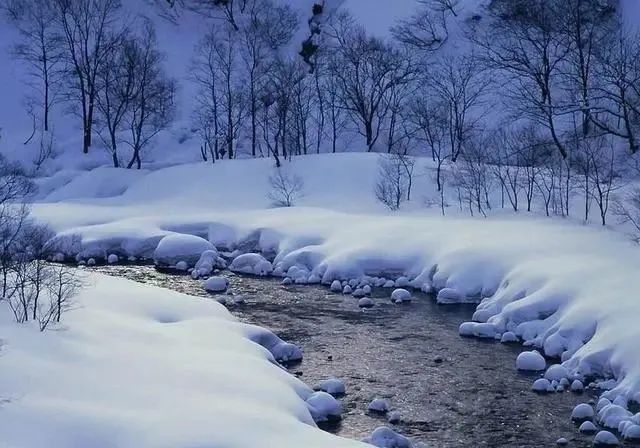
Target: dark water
{"x": 450, "y": 391}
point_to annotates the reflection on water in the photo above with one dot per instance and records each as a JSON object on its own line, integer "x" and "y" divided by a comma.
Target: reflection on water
{"x": 450, "y": 391}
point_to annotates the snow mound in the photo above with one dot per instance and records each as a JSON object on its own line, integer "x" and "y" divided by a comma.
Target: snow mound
{"x": 112, "y": 259}
{"x": 509, "y": 338}
{"x": 542, "y": 386}
{"x": 384, "y": 437}
{"x": 400, "y": 295}
{"x": 180, "y": 247}
{"x": 332, "y": 386}
{"x": 612, "y": 415}
{"x": 216, "y": 284}
{"x": 282, "y": 352}
{"x": 323, "y": 407}
{"x": 379, "y": 405}
{"x": 577, "y": 386}
{"x": 605, "y": 438}
{"x": 588, "y": 428}
{"x": 582, "y": 411}
{"x": 531, "y": 361}
{"x": 336, "y": 286}
{"x": 366, "y": 302}
{"x": 208, "y": 262}
{"x": 252, "y": 264}
{"x": 358, "y": 293}
{"x": 556, "y": 372}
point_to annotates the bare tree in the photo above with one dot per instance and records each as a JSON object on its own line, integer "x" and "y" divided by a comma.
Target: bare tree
{"x": 152, "y": 105}
{"x": 90, "y": 29}
{"x": 40, "y": 49}
{"x": 395, "y": 177}
{"x": 285, "y": 188}
{"x": 367, "y": 70}
{"x": 427, "y": 29}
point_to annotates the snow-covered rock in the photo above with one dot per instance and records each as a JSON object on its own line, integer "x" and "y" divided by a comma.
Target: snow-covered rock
{"x": 367, "y": 289}
{"x": 562, "y": 442}
{"x": 112, "y": 259}
{"x": 389, "y": 284}
{"x": 509, "y": 338}
{"x": 400, "y": 295}
{"x": 631, "y": 432}
{"x": 582, "y": 411}
{"x": 542, "y": 385}
{"x": 531, "y": 361}
{"x": 332, "y": 386}
{"x": 611, "y": 415}
{"x": 287, "y": 281}
{"x": 379, "y": 405}
{"x": 588, "y": 427}
{"x": 251, "y": 264}
{"x": 216, "y": 284}
{"x": 182, "y": 266}
{"x": 91, "y": 262}
{"x": 174, "y": 248}
{"x": 605, "y": 438}
{"x": 401, "y": 282}
{"x": 366, "y": 302}
{"x": 384, "y": 437}
{"x": 556, "y": 372}
{"x": 602, "y": 403}
{"x": 336, "y": 286}
{"x": 347, "y": 290}
{"x": 358, "y": 293}
{"x": 323, "y": 407}
{"x": 209, "y": 261}
{"x": 577, "y": 386}
{"x": 448, "y": 296}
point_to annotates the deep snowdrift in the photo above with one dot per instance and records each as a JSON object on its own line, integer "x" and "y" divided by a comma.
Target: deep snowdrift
{"x": 138, "y": 366}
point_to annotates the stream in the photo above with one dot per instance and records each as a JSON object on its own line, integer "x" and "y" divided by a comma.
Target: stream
{"x": 450, "y": 391}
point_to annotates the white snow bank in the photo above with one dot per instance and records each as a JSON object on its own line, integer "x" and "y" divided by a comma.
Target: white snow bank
{"x": 138, "y": 366}
{"x": 567, "y": 290}
{"x": 175, "y": 248}
{"x": 253, "y": 264}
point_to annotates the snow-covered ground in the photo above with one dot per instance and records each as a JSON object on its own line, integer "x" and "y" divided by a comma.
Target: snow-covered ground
{"x": 140, "y": 366}
{"x": 561, "y": 286}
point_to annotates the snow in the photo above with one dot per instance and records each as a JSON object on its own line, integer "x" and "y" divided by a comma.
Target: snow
{"x": 379, "y": 405}
{"x": 582, "y": 411}
{"x": 384, "y": 437}
{"x": 509, "y": 337}
{"x": 216, "y": 284}
{"x": 556, "y": 372}
{"x": 358, "y": 293}
{"x": 366, "y": 302}
{"x": 532, "y": 361}
{"x": 367, "y": 289}
{"x": 577, "y": 386}
{"x": 112, "y": 259}
{"x": 347, "y": 290}
{"x": 209, "y": 261}
{"x": 562, "y": 442}
{"x": 542, "y": 385}
{"x": 175, "y": 248}
{"x": 323, "y": 407}
{"x": 588, "y": 428}
{"x": 336, "y": 286}
{"x": 400, "y": 295}
{"x": 139, "y": 366}
{"x": 605, "y": 438}
{"x": 611, "y": 415}
{"x": 394, "y": 417}
{"x": 254, "y": 264}
{"x": 332, "y": 386}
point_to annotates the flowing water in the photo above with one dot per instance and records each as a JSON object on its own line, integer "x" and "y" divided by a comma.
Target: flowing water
{"x": 450, "y": 391}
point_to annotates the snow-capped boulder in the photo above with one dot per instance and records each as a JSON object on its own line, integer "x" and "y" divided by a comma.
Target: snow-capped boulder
{"x": 332, "y": 386}
{"x": 209, "y": 261}
{"x": 216, "y": 284}
{"x": 509, "y": 338}
{"x": 251, "y": 264}
{"x": 562, "y": 442}
{"x": 91, "y": 262}
{"x": 379, "y": 405}
{"x": 384, "y": 437}
{"x": 347, "y": 290}
{"x": 182, "y": 266}
{"x": 314, "y": 279}
{"x": 389, "y": 284}
{"x": 531, "y": 361}
{"x": 631, "y": 432}
{"x": 281, "y": 351}
{"x": 605, "y": 438}
{"x": 449, "y": 296}
{"x": 366, "y": 302}
{"x": 582, "y": 411}
{"x": 611, "y": 415}
{"x": 400, "y": 295}
{"x": 358, "y": 293}
{"x": 556, "y": 372}
{"x": 323, "y": 407}
{"x": 336, "y": 286}
{"x": 542, "y": 386}
{"x": 180, "y": 247}
{"x": 112, "y": 259}
{"x": 401, "y": 282}
{"x": 367, "y": 289}
{"x": 577, "y": 386}
{"x": 602, "y": 403}
{"x": 588, "y": 428}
